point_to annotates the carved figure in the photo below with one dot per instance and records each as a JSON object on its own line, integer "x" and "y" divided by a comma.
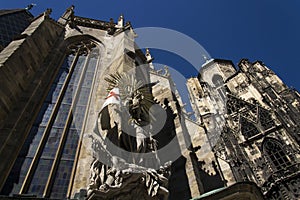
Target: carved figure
{"x": 131, "y": 98}
{"x": 123, "y": 177}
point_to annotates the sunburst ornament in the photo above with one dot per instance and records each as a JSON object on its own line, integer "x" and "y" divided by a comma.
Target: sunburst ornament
{"x": 134, "y": 94}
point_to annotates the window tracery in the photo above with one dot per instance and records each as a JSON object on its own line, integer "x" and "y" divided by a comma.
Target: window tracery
{"x": 219, "y": 84}
{"x": 248, "y": 129}
{"x": 276, "y": 154}
{"x": 62, "y": 115}
{"x": 265, "y": 119}
{"x": 234, "y": 104}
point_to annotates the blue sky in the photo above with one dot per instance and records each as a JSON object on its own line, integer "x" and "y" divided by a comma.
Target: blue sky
{"x": 266, "y": 30}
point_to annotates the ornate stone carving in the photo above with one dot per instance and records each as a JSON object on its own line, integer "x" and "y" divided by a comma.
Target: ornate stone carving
{"x": 128, "y": 181}
{"x": 128, "y": 100}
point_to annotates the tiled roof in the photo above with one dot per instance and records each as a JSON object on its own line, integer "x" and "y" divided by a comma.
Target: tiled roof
{"x": 10, "y": 11}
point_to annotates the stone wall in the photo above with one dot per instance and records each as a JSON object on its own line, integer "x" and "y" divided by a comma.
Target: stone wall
{"x": 26, "y": 72}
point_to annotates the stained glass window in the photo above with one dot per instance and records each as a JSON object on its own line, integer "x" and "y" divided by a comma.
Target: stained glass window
{"x": 62, "y": 175}
{"x": 40, "y": 177}
{"x": 60, "y": 116}
{"x": 62, "y": 178}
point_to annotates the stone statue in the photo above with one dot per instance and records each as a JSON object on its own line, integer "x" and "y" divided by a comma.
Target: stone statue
{"x": 127, "y": 179}
{"x": 95, "y": 180}
{"x": 135, "y": 103}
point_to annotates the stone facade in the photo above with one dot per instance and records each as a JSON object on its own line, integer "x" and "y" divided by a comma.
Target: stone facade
{"x": 27, "y": 70}
{"x": 251, "y": 119}
{"x": 53, "y": 87}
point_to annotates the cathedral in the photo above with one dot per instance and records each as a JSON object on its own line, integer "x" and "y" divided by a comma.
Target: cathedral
{"x": 84, "y": 114}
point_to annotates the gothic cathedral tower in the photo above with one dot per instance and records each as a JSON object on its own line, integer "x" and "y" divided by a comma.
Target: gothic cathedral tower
{"x": 252, "y": 122}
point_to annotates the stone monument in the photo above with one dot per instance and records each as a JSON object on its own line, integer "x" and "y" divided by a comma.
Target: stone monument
{"x": 123, "y": 126}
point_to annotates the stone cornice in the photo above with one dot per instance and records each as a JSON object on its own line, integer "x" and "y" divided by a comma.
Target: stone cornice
{"x": 110, "y": 27}
{"x": 82, "y": 21}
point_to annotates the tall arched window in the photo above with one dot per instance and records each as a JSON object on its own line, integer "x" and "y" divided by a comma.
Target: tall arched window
{"x": 45, "y": 163}
{"x": 276, "y": 154}
{"x": 219, "y": 84}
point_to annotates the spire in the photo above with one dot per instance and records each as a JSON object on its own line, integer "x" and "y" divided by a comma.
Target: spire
{"x": 149, "y": 58}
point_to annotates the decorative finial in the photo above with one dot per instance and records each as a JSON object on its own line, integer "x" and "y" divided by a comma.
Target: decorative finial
{"x": 48, "y": 12}
{"x": 149, "y": 58}
{"x": 68, "y": 16}
{"x": 205, "y": 57}
{"x": 111, "y": 21}
{"x": 30, "y": 6}
{"x": 166, "y": 68}
{"x": 120, "y": 23}
{"x": 148, "y": 53}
